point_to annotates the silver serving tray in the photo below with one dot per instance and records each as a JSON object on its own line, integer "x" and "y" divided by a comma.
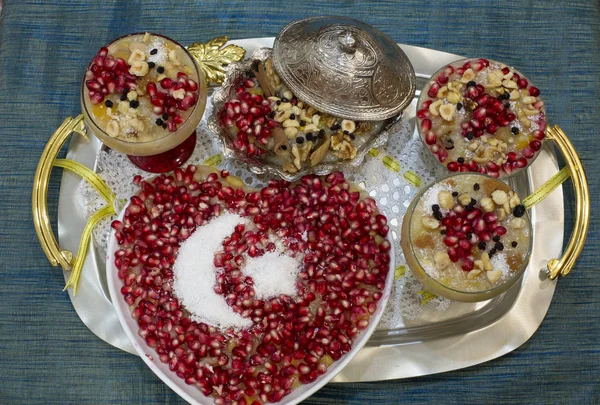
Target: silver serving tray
{"x": 462, "y": 336}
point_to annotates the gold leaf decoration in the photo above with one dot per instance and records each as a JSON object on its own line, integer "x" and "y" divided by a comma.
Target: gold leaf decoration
{"x": 212, "y": 57}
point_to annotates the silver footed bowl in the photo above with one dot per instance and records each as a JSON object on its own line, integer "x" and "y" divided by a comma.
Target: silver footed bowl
{"x": 268, "y": 163}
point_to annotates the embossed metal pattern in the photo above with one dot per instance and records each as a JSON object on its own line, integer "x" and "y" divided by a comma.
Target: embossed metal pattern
{"x": 344, "y": 67}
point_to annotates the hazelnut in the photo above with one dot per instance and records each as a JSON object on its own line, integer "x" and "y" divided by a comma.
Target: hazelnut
{"x": 509, "y": 75}
{"x": 430, "y": 222}
{"x": 493, "y": 275}
{"x": 281, "y": 116}
{"x": 517, "y": 223}
{"x": 174, "y": 57}
{"x": 290, "y": 123}
{"x": 139, "y": 68}
{"x": 485, "y": 260}
{"x": 348, "y": 125}
{"x": 447, "y": 111}
{"x": 472, "y": 274}
{"x": 528, "y": 100}
{"x": 487, "y": 204}
{"x": 433, "y": 108}
{"x": 178, "y": 94}
{"x": 442, "y": 92}
{"x": 464, "y": 198}
{"x": 442, "y": 260}
{"x": 284, "y": 106}
{"x": 291, "y": 132}
{"x": 453, "y": 97}
{"x": 500, "y": 197}
{"x": 467, "y": 76}
{"x": 445, "y": 199}
{"x": 112, "y": 128}
{"x": 136, "y": 56}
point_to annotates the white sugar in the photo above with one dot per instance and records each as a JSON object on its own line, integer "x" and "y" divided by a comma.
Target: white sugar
{"x": 162, "y": 53}
{"x": 499, "y": 263}
{"x": 431, "y": 197}
{"x": 430, "y": 269}
{"x": 195, "y": 274}
{"x": 273, "y": 273}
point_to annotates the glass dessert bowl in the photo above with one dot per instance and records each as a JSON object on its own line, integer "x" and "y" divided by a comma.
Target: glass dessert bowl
{"x": 483, "y": 116}
{"x": 467, "y": 237}
{"x": 144, "y": 95}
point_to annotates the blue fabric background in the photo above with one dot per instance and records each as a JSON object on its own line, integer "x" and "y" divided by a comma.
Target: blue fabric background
{"x": 47, "y": 356}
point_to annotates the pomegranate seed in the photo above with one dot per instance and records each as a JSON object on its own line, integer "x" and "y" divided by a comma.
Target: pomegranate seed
{"x": 521, "y": 162}
{"x": 191, "y": 85}
{"x": 187, "y": 102}
{"x": 426, "y": 124}
{"x": 534, "y": 91}
{"x": 93, "y": 85}
{"x": 464, "y": 244}
{"x": 430, "y": 138}
{"x": 492, "y": 128}
{"x": 483, "y": 100}
{"x": 500, "y": 230}
{"x": 453, "y": 166}
{"x": 522, "y": 83}
{"x": 467, "y": 265}
{"x": 480, "y": 114}
{"x": 450, "y": 241}
{"x": 535, "y": 145}
{"x": 424, "y": 113}
{"x": 472, "y": 92}
{"x": 453, "y": 254}
{"x": 96, "y": 98}
{"x": 528, "y": 152}
{"x": 433, "y": 90}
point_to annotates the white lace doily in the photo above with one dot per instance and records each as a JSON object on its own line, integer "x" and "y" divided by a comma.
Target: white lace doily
{"x": 386, "y": 183}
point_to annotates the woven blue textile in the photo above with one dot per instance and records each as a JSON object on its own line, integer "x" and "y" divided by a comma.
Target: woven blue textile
{"x": 48, "y": 356}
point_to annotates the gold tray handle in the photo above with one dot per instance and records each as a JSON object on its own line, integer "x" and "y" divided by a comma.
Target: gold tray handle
{"x": 41, "y": 220}
{"x": 565, "y": 263}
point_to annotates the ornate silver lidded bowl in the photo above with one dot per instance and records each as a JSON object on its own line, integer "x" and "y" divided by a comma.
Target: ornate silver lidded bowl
{"x": 344, "y": 67}
{"x": 341, "y": 67}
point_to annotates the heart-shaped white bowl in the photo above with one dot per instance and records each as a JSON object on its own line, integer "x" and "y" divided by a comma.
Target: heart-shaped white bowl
{"x": 191, "y": 393}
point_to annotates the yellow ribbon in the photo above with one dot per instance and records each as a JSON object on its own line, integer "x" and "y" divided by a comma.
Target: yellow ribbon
{"x": 548, "y": 187}
{"x": 426, "y": 296}
{"x": 106, "y": 193}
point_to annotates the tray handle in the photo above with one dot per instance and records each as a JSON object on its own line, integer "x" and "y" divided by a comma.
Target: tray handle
{"x": 41, "y": 220}
{"x": 565, "y": 263}
{"x": 39, "y": 204}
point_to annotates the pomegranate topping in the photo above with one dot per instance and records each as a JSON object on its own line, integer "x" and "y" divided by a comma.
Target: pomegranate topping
{"x": 337, "y": 237}
{"x": 476, "y": 113}
{"x": 468, "y": 232}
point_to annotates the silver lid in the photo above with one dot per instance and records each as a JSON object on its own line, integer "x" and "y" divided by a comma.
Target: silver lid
{"x": 344, "y": 67}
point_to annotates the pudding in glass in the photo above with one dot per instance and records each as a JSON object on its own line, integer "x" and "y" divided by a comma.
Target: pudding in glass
{"x": 144, "y": 95}
{"x": 467, "y": 237}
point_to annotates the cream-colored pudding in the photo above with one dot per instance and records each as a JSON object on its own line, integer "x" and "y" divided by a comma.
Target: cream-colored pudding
{"x": 467, "y": 234}
{"x": 482, "y": 116}
{"x": 140, "y": 89}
